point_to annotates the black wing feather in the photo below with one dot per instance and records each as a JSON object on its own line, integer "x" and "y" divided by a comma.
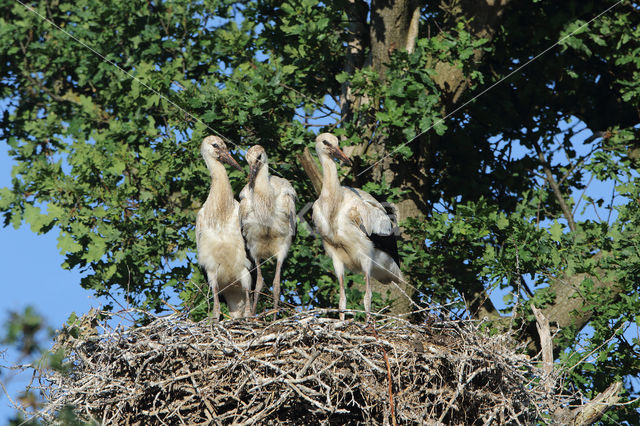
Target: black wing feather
{"x": 387, "y": 244}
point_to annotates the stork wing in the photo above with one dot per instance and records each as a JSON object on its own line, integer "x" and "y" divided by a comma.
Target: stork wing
{"x": 198, "y": 228}
{"x": 244, "y": 192}
{"x": 287, "y": 196}
{"x": 372, "y": 215}
{"x": 374, "y": 220}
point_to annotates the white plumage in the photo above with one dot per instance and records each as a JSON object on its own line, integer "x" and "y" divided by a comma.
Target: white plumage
{"x": 268, "y": 217}
{"x": 355, "y": 228}
{"x": 221, "y": 250}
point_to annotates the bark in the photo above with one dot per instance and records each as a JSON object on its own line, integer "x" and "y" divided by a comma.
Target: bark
{"x": 357, "y": 41}
{"x": 484, "y": 18}
{"x": 595, "y": 409}
{"x": 571, "y": 308}
{"x": 395, "y": 25}
{"x": 546, "y": 344}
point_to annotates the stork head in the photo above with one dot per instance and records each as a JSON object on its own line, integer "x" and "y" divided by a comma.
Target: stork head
{"x": 214, "y": 148}
{"x": 257, "y": 158}
{"x": 327, "y": 144}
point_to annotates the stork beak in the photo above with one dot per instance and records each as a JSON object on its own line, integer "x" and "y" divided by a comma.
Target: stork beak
{"x": 253, "y": 172}
{"x": 227, "y": 158}
{"x": 338, "y": 154}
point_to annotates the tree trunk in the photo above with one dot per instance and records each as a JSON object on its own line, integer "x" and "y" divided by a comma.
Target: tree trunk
{"x": 394, "y": 25}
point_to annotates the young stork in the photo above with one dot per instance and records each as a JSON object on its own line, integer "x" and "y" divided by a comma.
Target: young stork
{"x": 355, "y": 228}
{"x": 268, "y": 217}
{"x": 221, "y": 249}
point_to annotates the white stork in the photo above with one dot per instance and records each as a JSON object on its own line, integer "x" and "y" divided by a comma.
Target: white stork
{"x": 268, "y": 217}
{"x": 355, "y": 228}
{"x": 221, "y": 249}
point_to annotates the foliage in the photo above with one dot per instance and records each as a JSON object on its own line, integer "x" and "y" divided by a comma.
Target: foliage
{"x": 27, "y": 335}
{"x": 106, "y": 148}
{"x": 25, "y": 331}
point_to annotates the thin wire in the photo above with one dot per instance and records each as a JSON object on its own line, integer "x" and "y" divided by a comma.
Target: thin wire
{"x": 127, "y": 73}
{"x": 133, "y": 77}
{"x": 492, "y": 86}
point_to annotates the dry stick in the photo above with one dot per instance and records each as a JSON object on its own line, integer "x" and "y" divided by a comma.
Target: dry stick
{"x": 310, "y": 167}
{"x": 16, "y": 406}
{"x": 389, "y": 379}
{"x": 594, "y": 410}
{"x": 546, "y": 343}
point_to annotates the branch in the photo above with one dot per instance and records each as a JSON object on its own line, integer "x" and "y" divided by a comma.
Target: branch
{"x": 594, "y": 410}
{"x": 555, "y": 187}
{"x": 568, "y": 308}
{"x": 389, "y": 378}
{"x": 311, "y": 169}
{"x": 546, "y": 343}
{"x": 484, "y": 17}
{"x": 412, "y": 32}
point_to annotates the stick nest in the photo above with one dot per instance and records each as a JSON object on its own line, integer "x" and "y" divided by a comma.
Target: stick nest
{"x": 304, "y": 369}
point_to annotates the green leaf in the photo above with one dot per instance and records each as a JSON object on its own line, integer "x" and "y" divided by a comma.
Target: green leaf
{"x": 556, "y": 231}
{"x": 66, "y": 244}
{"x": 35, "y": 218}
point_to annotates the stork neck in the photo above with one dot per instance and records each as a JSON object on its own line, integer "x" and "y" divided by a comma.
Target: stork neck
{"x": 261, "y": 183}
{"x": 330, "y": 182}
{"x": 220, "y": 192}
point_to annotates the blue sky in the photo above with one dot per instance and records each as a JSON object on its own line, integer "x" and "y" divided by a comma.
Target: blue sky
{"x": 32, "y": 275}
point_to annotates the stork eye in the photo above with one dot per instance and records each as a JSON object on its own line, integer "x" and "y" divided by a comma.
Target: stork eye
{"x": 326, "y": 143}
{"x": 215, "y": 145}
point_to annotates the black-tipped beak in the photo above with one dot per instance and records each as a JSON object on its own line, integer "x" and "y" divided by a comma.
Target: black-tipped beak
{"x": 338, "y": 154}
{"x": 227, "y": 158}
{"x": 253, "y": 172}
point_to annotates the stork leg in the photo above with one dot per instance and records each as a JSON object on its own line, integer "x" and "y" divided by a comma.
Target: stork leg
{"x": 276, "y": 286}
{"x": 246, "y": 286}
{"x": 259, "y": 285}
{"x": 343, "y": 297}
{"x": 367, "y": 297}
{"x": 216, "y": 300}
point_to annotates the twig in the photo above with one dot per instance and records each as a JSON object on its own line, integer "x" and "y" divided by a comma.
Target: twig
{"x": 389, "y": 380}
{"x": 555, "y": 187}
{"x": 304, "y": 368}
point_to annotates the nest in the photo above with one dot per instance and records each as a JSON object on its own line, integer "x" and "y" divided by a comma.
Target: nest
{"x": 304, "y": 369}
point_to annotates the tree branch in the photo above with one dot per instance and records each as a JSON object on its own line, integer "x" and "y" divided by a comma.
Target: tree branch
{"x": 311, "y": 169}
{"x": 555, "y": 187}
{"x": 484, "y": 18}
{"x": 595, "y": 409}
{"x": 546, "y": 343}
{"x": 412, "y": 32}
